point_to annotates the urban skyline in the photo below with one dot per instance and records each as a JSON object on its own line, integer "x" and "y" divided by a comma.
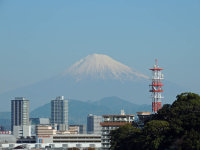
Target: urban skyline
{"x": 100, "y": 55}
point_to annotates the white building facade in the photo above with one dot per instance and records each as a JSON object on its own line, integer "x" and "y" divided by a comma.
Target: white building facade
{"x": 112, "y": 122}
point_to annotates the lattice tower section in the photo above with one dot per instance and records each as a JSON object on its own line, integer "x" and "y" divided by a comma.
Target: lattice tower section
{"x": 156, "y": 87}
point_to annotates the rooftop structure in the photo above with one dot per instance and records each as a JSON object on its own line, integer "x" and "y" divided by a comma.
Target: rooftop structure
{"x": 37, "y": 121}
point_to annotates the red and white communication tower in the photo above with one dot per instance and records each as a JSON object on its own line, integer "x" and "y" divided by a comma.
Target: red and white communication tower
{"x": 156, "y": 87}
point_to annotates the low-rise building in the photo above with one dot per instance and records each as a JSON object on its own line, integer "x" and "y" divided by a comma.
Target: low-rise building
{"x": 112, "y": 122}
{"x": 38, "y": 121}
{"x": 22, "y": 131}
{"x": 7, "y": 138}
{"x": 142, "y": 117}
{"x": 45, "y": 135}
{"x": 77, "y": 129}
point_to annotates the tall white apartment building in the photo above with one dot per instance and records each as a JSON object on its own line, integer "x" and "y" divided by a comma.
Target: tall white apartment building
{"x": 112, "y": 122}
{"x": 20, "y": 117}
{"x": 59, "y": 113}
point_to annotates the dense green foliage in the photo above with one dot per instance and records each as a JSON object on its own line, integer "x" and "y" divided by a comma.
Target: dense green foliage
{"x": 174, "y": 127}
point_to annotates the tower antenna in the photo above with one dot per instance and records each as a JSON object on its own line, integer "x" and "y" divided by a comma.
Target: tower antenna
{"x": 156, "y": 88}
{"x": 156, "y": 63}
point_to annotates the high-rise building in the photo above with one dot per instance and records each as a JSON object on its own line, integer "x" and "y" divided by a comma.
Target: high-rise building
{"x": 59, "y": 113}
{"x": 20, "y": 117}
{"x": 93, "y": 124}
{"x": 19, "y": 112}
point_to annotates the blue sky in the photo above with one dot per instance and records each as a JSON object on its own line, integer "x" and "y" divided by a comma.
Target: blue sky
{"x": 40, "y": 39}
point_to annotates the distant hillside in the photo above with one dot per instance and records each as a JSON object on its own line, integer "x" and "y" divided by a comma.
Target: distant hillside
{"x": 78, "y": 110}
{"x": 5, "y": 120}
{"x": 5, "y": 115}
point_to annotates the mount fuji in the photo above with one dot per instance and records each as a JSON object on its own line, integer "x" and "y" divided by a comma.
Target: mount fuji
{"x": 90, "y": 79}
{"x": 98, "y": 66}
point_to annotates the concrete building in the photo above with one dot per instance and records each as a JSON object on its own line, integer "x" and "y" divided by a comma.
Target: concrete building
{"x": 79, "y": 140}
{"x": 142, "y": 117}
{"x": 112, "y": 122}
{"x": 19, "y": 112}
{"x": 38, "y": 121}
{"x": 93, "y": 124}
{"x": 6, "y": 138}
{"x": 59, "y": 113}
{"x": 51, "y": 146}
{"x": 20, "y": 117}
{"x": 21, "y": 131}
{"x": 77, "y": 129}
{"x": 72, "y": 140}
{"x": 45, "y": 135}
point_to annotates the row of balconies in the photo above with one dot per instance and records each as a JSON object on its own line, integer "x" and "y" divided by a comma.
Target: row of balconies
{"x": 109, "y": 128}
{"x": 118, "y": 119}
{"x": 63, "y": 137}
{"x": 105, "y": 145}
{"x": 105, "y": 141}
{"x": 105, "y": 137}
{"x": 105, "y": 132}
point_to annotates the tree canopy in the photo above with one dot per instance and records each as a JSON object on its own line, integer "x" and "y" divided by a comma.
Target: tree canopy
{"x": 175, "y": 126}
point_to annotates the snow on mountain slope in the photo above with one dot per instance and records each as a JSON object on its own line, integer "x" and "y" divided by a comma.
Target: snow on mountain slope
{"x": 99, "y": 66}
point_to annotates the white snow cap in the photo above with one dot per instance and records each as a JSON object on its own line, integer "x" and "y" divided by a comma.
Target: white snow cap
{"x": 100, "y": 66}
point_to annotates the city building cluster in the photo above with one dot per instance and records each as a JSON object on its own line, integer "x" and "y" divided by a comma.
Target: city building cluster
{"x": 55, "y": 132}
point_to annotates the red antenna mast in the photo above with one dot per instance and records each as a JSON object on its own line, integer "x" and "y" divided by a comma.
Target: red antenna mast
{"x": 156, "y": 63}
{"x": 156, "y": 87}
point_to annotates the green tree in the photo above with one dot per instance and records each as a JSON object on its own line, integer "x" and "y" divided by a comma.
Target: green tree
{"x": 174, "y": 127}
{"x": 154, "y": 133}
{"x": 120, "y": 138}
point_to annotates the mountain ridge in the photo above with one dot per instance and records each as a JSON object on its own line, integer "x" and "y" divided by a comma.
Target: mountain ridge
{"x": 78, "y": 110}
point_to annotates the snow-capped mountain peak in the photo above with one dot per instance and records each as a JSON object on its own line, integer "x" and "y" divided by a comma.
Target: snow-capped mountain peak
{"x": 100, "y": 66}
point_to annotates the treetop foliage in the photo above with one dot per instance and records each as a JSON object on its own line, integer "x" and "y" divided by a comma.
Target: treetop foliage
{"x": 174, "y": 127}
